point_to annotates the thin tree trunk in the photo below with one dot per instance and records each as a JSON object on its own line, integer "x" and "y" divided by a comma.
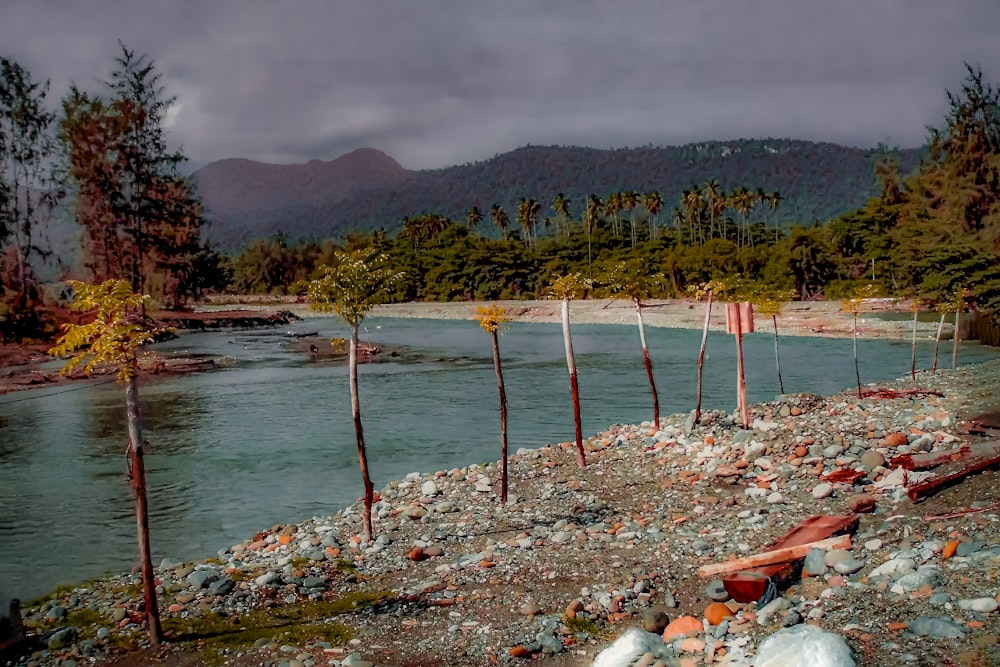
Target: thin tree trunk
{"x": 857, "y": 371}
{"x": 937, "y": 343}
{"x": 649, "y": 364}
{"x": 137, "y": 472}
{"x": 954, "y": 345}
{"x": 777, "y": 357}
{"x": 359, "y": 432}
{"x": 741, "y": 380}
{"x": 573, "y": 384}
{"x": 701, "y": 358}
{"x": 503, "y": 420}
{"x": 913, "y": 348}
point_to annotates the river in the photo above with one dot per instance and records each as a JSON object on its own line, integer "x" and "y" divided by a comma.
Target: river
{"x": 270, "y": 440}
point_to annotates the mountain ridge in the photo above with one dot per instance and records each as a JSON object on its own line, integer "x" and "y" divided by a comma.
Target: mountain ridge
{"x": 368, "y": 189}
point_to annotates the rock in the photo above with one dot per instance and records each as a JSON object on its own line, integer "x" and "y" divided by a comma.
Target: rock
{"x": 789, "y": 646}
{"x": 872, "y": 459}
{"x": 893, "y": 567}
{"x": 629, "y": 648}
{"x": 314, "y": 582}
{"x": 429, "y": 488}
{"x": 822, "y": 490}
{"x": 766, "y": 614}
{"x": 941, "y": 627}
{"x": 222, "y": 587}
{"x": 926, "y": 575}
{"x": 716, "y": 613}
{"x": 202, "y": 578}
{"x": 862, "y": 503}
{"x": 849, "y": 565}
{"x": 966, "y": 548}
{"x": 691, "y": 645}
{"x": 815, "y": 562}
{"x": 654, "y": 620}
{"x": 530, "y": 608}
{"x": 62, "y": 638}
{"x": 983, "y": 605}
{"x": 433, "y": 551}
{"x": 682, "y": 626}
{"x": 873, "y": 545}
{"x": 896, "y": 440}
{"x": 416, "y": 554}
{"x": 716, "y": 590}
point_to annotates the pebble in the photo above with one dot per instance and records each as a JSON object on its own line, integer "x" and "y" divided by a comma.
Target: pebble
{"x": 822, "y": 490}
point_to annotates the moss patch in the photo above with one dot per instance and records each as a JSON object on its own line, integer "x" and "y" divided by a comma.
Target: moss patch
{"x": 214, "y": 637}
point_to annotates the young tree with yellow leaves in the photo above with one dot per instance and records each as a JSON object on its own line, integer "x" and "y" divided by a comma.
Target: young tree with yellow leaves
{"x": 351, "y": 287}
{"x": 704, "y": 291}
{"x": 629, "y": 280}
{"x": 492, "y": 319}
{"x": 565, "y": 288}
{"x": 769, "y": 301}
{"x": 112, "y": 337}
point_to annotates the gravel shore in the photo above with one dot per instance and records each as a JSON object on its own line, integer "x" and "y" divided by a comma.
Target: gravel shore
{"x": 579, "y": 556}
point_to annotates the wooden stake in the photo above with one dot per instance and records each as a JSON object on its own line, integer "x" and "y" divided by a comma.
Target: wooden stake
{"x": 772, "y": 557}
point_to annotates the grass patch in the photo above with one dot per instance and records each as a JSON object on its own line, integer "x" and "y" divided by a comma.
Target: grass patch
{"x": 297, "y": 624}
{"x": 579, "y": 624}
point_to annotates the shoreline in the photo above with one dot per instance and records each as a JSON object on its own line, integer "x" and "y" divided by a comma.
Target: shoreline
{"x": 578, "y": 556}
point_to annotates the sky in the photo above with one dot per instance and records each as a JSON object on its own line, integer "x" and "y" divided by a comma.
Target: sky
{"x": 440, "y": 82}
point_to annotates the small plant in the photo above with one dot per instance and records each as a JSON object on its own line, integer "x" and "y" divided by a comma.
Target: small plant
{"x": 565, "y": 288}
{"x": 854, "y": 303}
{"x": 769, "y": 301}
{"x": 704, "y": 291}
{"x": 492, "y": 319}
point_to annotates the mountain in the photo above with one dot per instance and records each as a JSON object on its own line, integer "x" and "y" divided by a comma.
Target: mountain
{"x": 367, "y": 189}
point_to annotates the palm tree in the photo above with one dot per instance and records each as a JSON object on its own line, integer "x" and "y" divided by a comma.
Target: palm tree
{"x": 413, "y": 230}
{"x": 351, "y": 287}
{"x": 565, "y": 288}
{"x": 630, "y": 200}
{"x": 113, "y": 337}
{"x": 500, "y": 220}
{"x": 695, "y": 206}
{"x": 527, "y": 212}
{"x": 591, "y": 216}
{"x": 612, "y": 207}
{"x": 561, "y": 207}
{"x": 473, "y": 217}
{"x": 652, "y": 201}
{"x": 434, "y": 224}
{"x": 741, "y": 199}
{"x": 492, "y": 319}
{"x": 773, "y": 202}
{"x": 716, "y": 204}
{"x": 630, "y": 280}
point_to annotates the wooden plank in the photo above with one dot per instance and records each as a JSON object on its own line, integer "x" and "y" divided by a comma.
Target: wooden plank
{"x": 932, "y": 486}
{"x": 772, "y": 557}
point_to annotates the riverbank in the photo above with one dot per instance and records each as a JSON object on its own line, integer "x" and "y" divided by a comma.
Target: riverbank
{"x": 799, "y": 318}
{"x": 578, "y": 556}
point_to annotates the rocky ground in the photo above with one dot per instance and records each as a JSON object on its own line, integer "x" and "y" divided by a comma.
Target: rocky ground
{"x": 577, "y": 557}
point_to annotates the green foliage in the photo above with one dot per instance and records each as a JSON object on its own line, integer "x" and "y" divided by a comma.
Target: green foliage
{"x": 631, "y": 279}
{"x": 114, "y": 334}
{"x": 569, "y": 286}
{"x": 354, "y": 284}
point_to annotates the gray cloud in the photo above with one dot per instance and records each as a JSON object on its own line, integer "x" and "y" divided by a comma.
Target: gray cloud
{"x": 438, "y": 82}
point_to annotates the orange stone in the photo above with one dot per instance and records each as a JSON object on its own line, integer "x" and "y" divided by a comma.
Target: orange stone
{"x": 174, "y": 608}
{"x": 284, "y": 539}
{"x": 416, "y": 553}
{"x": 949, "y": 549}
{"x": 801, "y": 451}
{"x": 709, "y": 439}
{"x": 683, "y": 626}
{"x": 519, "y": 652}
{"x": 895, "y": 626}
{"x": 896, "y": 440}
{"x": 716, "y": 612}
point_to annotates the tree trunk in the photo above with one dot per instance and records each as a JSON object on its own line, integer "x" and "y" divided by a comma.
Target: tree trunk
{"x": 649, "y": 364}
{"x": 503, "y": 420}
{"x": 701, "y": 358}
{"x": 138, "y": 482}
{"x": 359, "y": 432}
{"x": 954, "y": 344}
{"x": 937, "y": 343}
{"x": 913, "y": 349}
{"x": 857, "y": 371}
{"x": 573, "y": 384}
{"x": 741, "y": 379}
{"x": 777, "y": 357}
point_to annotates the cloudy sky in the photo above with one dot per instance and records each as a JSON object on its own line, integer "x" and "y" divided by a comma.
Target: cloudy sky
{"x": 440, "y": 82}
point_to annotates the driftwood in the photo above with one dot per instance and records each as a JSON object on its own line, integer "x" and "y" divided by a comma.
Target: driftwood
{"x": 932, "y": 486}
{"x": 959, "y": 513}
{"x": 989, "y": 449}
{"x": 773, "y": 557}
{"x": 899, "y": 393}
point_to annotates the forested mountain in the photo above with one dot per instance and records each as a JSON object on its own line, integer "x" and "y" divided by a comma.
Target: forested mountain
{"x": 367, "y": 189}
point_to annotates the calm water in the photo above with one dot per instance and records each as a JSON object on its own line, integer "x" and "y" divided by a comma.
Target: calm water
{"x": 271, "y": 440}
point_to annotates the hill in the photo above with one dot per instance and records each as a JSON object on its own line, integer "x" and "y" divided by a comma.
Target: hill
{"x": 367, "y": 189}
